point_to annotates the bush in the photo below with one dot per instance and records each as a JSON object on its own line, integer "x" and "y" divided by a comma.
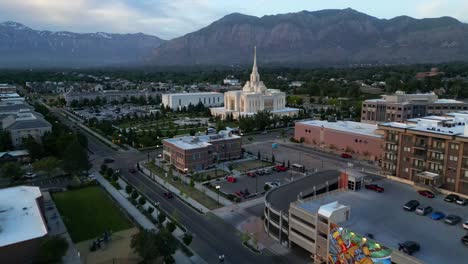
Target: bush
{"x": 115, "y": 177}
{"x": 150, "y": 210}
{"x": 133, "y": 201}
{"x": 266, "y": 187}
{"x": 103, "y": 168}
{"x": 110, "y": 171}
{"x": 135, "y": 194}
{"x": 231, "y": 197}
{"x": 142, "y": 200}
{"x": 161, "y": 217}
{"x": 51, "y": 250}
{"x": 187, "y": 239}
{"x": 128, "y": 189}
{"x": 171, "y": 226}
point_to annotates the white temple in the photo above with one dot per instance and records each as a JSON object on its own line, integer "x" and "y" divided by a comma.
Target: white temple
{"x": 254, "y": 97}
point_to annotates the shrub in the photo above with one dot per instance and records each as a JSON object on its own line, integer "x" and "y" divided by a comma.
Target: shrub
{"x": 110, "y": 171}
{"x": 161, "y": 217}
{"x": 103, "y": 168}
{"x": 171, "y": 226}
{"x": 115, "y": 177}
{"x": 187, "y": 239}
{"x": 150, "y": 210}
{"x": 266, "y": 187}
{"x": 135, "y": 194}
{"x": 231, "y": 197}
{"x": 133, "y": 201}
{"x": 142, "y": 200}
{"x": 128, "y": 189}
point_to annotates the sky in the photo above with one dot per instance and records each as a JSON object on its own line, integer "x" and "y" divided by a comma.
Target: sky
{"x": 173, "y": 18}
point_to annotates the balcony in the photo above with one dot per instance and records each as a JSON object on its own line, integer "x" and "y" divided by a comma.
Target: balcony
{"x": 420, "y": 145}
{"x": 393, "y": 151}
{"x": 437, "y": 148}
{"x": 391, "y": 161}
{"x": 420, "y": 156}
{"x": 420, "y": 167}
{"x": 434, "y": 171}
{"x": 391, "y": 139}
{"x": 436, "y": 160}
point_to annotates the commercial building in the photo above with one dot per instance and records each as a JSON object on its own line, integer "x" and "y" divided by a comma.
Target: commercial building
{"x": 177, "y": 101}
{"x": 7, "y": 88}
{"x": 20, "y": 156}
{"x": 22, "y": 223}
{"x": 254, "y": 97}
{"x": 199, "y": 152}
{"x": 21, "y": 121}
{"x": 357, "y": 138}
{"x": 340, "y": 224}
{"x": 430, "y": 151}
{"x": 400, "y": 106}
{"x": 10, "y": 97}
{"x": 107, "y": 95}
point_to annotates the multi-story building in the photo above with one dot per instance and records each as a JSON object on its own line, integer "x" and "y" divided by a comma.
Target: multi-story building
{"x": 107, "y": 95}
{"x": 362, "y": 139}
{"x": 431, "y": 151}
{"x": 7, "y": 88}
{"x": 22, "y": 222}
{"x": 22, "y": 122}
{"x": 400, "y": 106}
{"x": 177, "y": 101}
{"x": 200, "y": 152}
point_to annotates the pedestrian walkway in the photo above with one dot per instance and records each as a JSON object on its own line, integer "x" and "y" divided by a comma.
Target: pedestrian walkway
{"x": 141, "y": 218}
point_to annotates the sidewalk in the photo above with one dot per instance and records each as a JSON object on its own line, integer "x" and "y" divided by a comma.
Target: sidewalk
{"x": 141, "y": 219}
{"x": 172, "y": 189}
{"x": 213, "y": 195}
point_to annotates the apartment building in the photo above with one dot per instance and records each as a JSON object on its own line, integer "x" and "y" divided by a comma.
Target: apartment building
{"x": 200, "y": 152}
{"x": 430, "y": 151}
{"x": 400, "y": 106}
{"x": 179, "y": 100}
{"x": 107, "y": 95}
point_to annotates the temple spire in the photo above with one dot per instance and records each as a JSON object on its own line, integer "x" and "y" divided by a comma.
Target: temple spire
{"x": 254, "y": 76}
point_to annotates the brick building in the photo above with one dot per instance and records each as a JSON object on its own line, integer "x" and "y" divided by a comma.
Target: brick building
{"x": 430, "y": 151}
{"x": 199, "y": 152}
{"x": 400, "y": 106}
{"x": 357, "y": 138}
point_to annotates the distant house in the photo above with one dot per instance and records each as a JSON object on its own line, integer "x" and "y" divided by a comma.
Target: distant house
{"x": 21, "y": 156}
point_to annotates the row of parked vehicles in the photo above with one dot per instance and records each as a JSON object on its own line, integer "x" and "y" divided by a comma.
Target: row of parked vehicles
{"x": 451, "y": 219}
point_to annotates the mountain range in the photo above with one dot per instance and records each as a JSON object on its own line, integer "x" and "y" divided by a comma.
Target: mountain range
{"x": 322, "y": 38}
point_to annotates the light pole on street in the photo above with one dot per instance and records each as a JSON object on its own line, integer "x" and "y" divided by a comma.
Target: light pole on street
{"x": 217, "y": 190}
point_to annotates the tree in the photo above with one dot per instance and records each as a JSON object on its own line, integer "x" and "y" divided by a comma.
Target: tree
{"x": 12, "y": 170}
{"x": 75, "y": 158}
{"x": 142, "y": 200}
{"x": 167, "y": 244}
{"x": 47, "y": 165}
{"x": 273, "y": 159}
{"x": 187, "y": 238}
{"x": 36, "y": 151}
{"x": 5, "y": 141}
{"x": 51, "y": 250}
{"x": 128, "y": 189}
{"x": 146, "y": 245}
{"x": 161, "y": 217}
{"x": 170, "y": 226}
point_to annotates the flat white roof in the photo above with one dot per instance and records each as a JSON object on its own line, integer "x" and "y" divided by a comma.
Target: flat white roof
{"x": 190, "y": 94}
{"x": 20, "y": 216}
{"x": 346, "y": 126}
{"x": 189, "y": 142}
{"x": 447, "y": 101}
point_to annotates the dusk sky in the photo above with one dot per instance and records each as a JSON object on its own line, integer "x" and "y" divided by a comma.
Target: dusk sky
{"x": 172, "y": 18}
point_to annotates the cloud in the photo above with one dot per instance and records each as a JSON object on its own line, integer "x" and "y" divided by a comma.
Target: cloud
{"x": 164, "y": 18}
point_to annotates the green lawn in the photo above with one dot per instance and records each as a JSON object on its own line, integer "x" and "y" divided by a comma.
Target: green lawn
{"x": 250, "y": 165}
{"x": 88, "y": 212}
{"x": 213, "y": 174}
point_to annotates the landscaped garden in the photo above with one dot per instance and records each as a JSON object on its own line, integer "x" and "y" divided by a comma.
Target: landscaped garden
{"x": 89, "y": 212}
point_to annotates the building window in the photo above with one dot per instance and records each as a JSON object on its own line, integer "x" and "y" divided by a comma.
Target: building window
{"x": 454, "y": 146}
{"x": 453, "y": 158}
{"x": 407, "y": 149}
{"x": 406, "y": 169}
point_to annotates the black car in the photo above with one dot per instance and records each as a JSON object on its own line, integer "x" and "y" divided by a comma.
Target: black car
{"x": 411, "y": 205}
{"x": 452, "y": 219}
{"x": 108, "y": 160}
{"x": 451, "y": 198}
{"x": 464, "y": 239}
{"x": 409, "y": 247}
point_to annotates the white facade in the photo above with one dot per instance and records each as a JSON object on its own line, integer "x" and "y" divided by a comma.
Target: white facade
{"x": 254, "y": 97}
{"x": 178, "y": 100}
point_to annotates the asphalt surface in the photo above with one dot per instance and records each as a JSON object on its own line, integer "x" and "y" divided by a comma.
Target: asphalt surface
{"x": 212, "y": 236}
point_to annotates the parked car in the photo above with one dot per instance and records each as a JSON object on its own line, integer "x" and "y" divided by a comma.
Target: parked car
{"x": 231, "y": 179}
{"x": 451, "y": 198}
{"x": 346, "y": 155}
{"x": 108, "y": 160}
{"x": 409, "y": 247}
{"x": 465, "y": 225}
{"x": 280, "y": 168}
{"x": 411, "y": 205}
{"x": 461, "y": 201}
{"x": 251, "y": 174}
{"x": 91, "y": 177}
{"x": 240, "y": 194}
{"x": 452, "y": 219}
{"x": 260, "y": 172}
{"x": 374, "y": 187}
{"x": 267, "y": 171}
{"x": 437, "y": 215}
{"x": 464, "y": 239}
{"x": 30, "y": 175}
{"x": 423, "y": 210}
{"x": 264, "y": 132}
{"x": 426, "y": 193}
{"x": 132, "y": 170}
{"x": 168, "y": 195}
{"x": 273, "y": 184}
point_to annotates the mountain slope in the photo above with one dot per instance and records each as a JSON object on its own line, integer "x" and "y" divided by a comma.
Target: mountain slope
{"x": 23, "y": 47}
{"x": 327, "y": 37}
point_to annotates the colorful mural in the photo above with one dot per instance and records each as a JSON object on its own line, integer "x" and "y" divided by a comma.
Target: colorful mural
{"x": 347, "y": 247}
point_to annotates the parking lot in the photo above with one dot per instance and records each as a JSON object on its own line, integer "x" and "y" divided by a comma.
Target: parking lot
{"x": 256, "y": 184}
{"x": 111, "y": 112}
{"x": 381, "y": 215}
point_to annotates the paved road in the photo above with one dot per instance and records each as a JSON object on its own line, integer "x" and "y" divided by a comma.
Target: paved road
{"x": 212, "y": 235}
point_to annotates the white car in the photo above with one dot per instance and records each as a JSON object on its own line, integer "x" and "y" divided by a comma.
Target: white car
{"x": 30, "y": 175}
{"x": 465, "y": 225}
{"x": 273, "y": 184}
{"x": 91, "y": 177}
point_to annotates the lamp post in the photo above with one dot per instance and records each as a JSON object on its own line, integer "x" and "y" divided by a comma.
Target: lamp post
{"x": 217, "y": 190}
{"x": 185, "y": 171}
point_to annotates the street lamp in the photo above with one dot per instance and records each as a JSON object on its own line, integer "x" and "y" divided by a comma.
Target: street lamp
{"x": 217, "y": 190}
